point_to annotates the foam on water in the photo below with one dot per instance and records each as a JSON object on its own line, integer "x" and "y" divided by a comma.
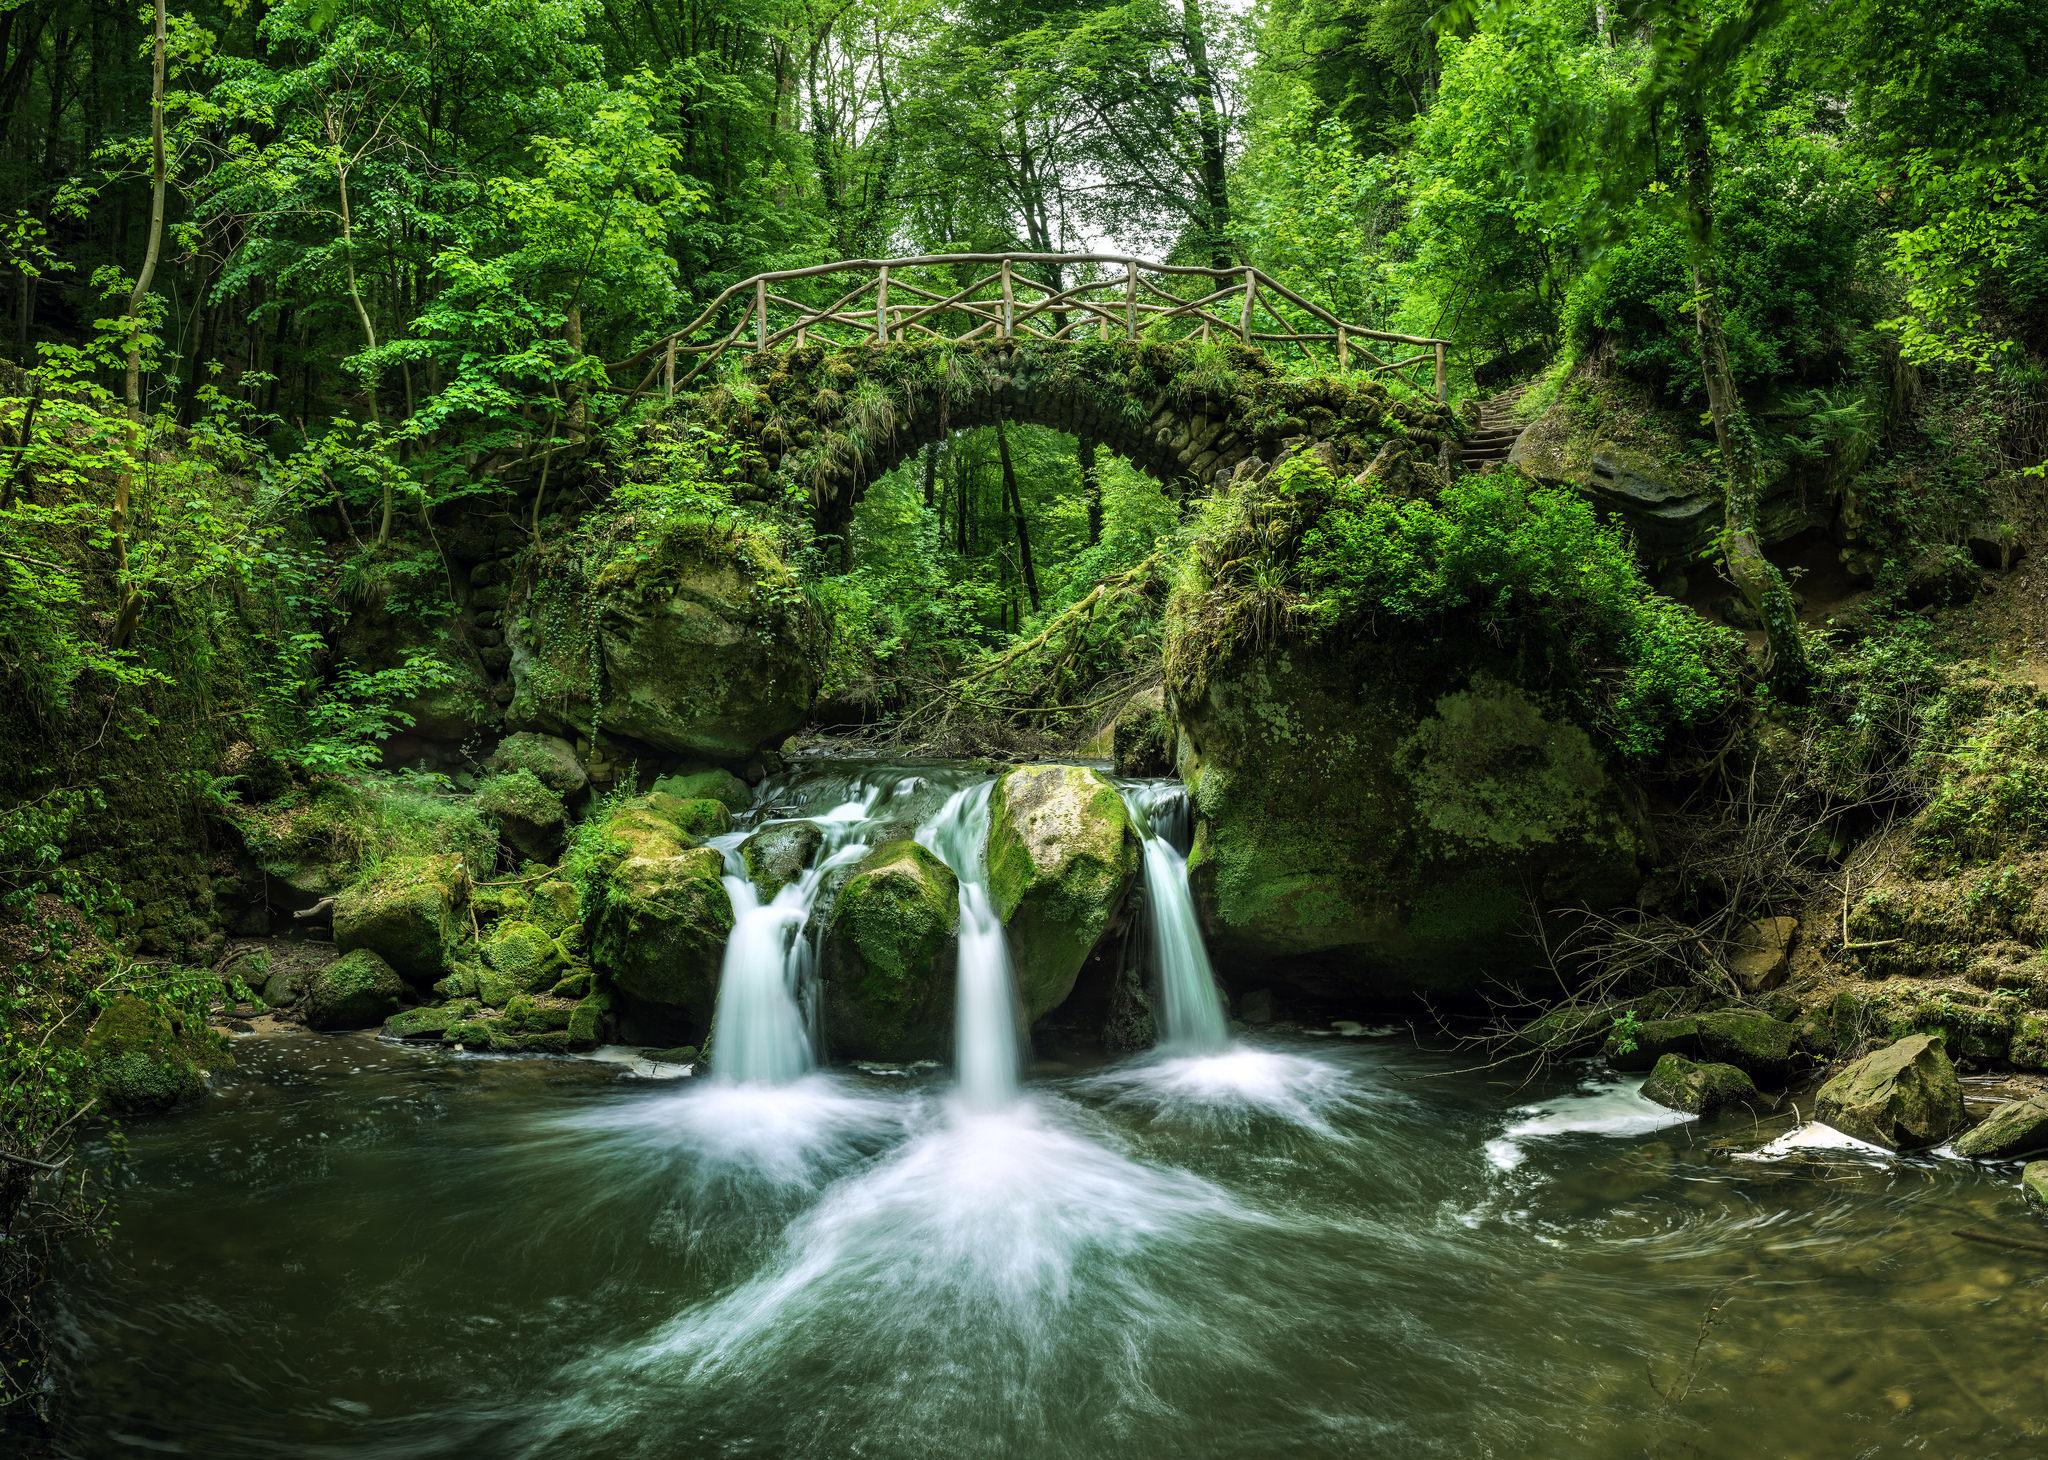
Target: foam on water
{"x": 1232, "y": 1087}
{"x": 1603, "y": 1105}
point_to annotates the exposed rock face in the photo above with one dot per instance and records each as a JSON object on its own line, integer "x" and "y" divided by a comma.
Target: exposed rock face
{"x": 1701, "y": 1089}
{"x": 139, "y": 1060}
{"x": 549, "y": 758}
{"x": 711, "y": 783}
{"x": 1904, "y": 1095}
{"x": 2018, "y": 1129}
{"x": 707, "y": 645}
{"x": 1062, "y": 857}
{"x": 658, "y": 929}
{"x": 358, "y": 990}
{"x": 406, "y": 914}
{"x": 889, "y": 957}
{"x": 776, "y": 856}
{"x": 1142, "y": 738}
{"x": 1380, "y": 821}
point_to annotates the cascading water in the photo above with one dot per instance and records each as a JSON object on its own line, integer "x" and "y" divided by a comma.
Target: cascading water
{"x": 763, "y": 1035}
{"x": 985, "y": 1037}
{"x": 1190, "y": 1007}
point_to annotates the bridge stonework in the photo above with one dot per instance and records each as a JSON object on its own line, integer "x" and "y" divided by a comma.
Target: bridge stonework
{"x": 832, "y": 420}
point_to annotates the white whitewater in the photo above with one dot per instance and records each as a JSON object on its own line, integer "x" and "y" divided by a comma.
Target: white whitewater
{"x": 985, "y": 1036}
{"x": 1190, "y": 1008}
{"x": 763, "y": 1034}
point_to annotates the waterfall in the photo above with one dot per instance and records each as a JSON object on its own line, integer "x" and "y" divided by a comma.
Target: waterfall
{"x": 1190, "y": 1009}
{"x": 764, "y": 1035}
{"x": 985, "y": 1035}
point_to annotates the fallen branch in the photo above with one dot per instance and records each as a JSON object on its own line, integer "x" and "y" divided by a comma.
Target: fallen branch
{"x": 323, "y": 905}
{"x": 2021, "y": 1244}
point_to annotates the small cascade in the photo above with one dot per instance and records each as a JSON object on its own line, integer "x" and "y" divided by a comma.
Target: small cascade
{"x": 765, "y": 1036}
{"x": 985, "y": 1035}
{"x": 1191, "y": 1009}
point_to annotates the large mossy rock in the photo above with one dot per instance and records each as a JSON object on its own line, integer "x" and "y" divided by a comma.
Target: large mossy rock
{"x": 142, "y": 1059}
{"x": 548, "y": 758}
{"x": 706, "y": 645}
{"x": 1904, "y": 1095}
{"x": 659, "y": 919}
{"x": 707, "y": 784}
{"x": 407, "y": 913}
{"x": 889, "y": 957}
{"x": 778, "y": 855}
{"x": 1062, "y": 857}
{"x": 2018, "y": 1129}
{"x": 1699, "y": 1089}
{"x": 526, "y": 812}
{"x": 358, "y": 990}
{"x": 1754, "y": 1043}
{"x": 1381, "y": 820}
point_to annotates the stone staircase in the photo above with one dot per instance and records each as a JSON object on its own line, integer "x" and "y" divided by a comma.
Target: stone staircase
{"x": 1499, "y": 428}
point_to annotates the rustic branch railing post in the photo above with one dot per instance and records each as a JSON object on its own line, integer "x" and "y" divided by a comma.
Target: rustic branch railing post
{"x": 1244, "y": 327}
{"x": 882, "y": 307}
{"x": 1343, "y": 348}
{"x": 668, "y": 370}
{"x": 1130, "y": 301}
{"x": 1442, "y": 376}
{"x": 760, "y": 315}
{"x": 1009, "y": 303}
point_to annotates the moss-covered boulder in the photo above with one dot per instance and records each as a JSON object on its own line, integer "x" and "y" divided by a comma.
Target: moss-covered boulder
{"x": 1700, "y": 1089}
{"x": 2034, "y": 1182}
{"x": 1757, "y": 1044}
{"x": 142, "y": 1058}
{"x": 2017, "y": 1129}
{"x": 555, "y": 907}
{"x": 778, "y": 855}
{"x": 358, "y": 990}
{"x": 1142, "y": 738}
{"x": 519, "y": 958}
{"x": 658, "y": 916}
{"x": 525, "y": 812}
{"x": 1904, "y": 1095}
{"x": 704, "y": 643}
{"x": 1062, "y": 857}
{"x": 284, "y": 987}
{"x": 889, "y": 957}
{"x": 2029, "y": 1048}
{"x": 429, "y": 1021}
{"x": 1383, "y": 819}
{"x": 548, "y": 758}
{"x": 707, "y": 783}
{"x": 407, "y": 912}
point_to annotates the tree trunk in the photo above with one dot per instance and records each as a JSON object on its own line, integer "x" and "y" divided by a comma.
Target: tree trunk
{"x": 1017, "y": 515}
{"x": 931, "y": 475}
{"x": 130, "y": 611}
{"x": 1215, "y": 176}
{"x": 1091, "y": 490}
{"x": 1762, "y": 586}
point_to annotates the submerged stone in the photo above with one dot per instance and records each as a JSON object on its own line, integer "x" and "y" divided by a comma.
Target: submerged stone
{"x": 1701, "y": 1089}
{"x": 1904, "y": 1095}
{"x": 358, "y": 990}
{"x": 1062, "y": 857}
{"x": 889, "y": 956}
{"x": 2018, "y": 1129}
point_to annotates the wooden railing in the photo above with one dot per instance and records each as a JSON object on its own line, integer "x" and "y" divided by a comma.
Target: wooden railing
{"x": 1023, "y": 296}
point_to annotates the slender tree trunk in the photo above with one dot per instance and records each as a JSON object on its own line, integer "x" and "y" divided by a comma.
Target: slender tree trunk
{"x": 931, "y": 474}
{"x": 1017, "y": 515}
{"x": 1215, "y": 175}
{"x": 130, "y": 600}
{"x": 1762, "y": 586}
{"x": 1091, "y": 490}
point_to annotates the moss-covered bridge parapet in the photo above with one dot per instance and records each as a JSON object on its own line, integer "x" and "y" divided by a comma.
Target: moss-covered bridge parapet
{"x": 830, "y": 420}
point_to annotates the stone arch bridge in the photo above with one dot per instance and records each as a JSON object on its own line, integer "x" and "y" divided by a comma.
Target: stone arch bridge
{"x": 847, "y": 370}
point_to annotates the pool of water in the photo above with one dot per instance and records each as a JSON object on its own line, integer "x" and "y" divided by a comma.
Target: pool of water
{"x": 1307, "y": 1247}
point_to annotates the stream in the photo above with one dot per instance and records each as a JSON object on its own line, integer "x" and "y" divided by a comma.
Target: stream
{"x": 1325, "y": 1241}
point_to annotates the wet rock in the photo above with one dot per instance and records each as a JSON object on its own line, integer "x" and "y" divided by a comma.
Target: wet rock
{"x": 889, "y": 956}
{"x": 1142, "y": 738}
{"x": 2034, "y": 1181}
{"x": 778, "y": 855}
{"x": 1762, "y": 956}
{"x": 406, "y": 914}
{"x": 1670, "y": 520}
{"x": 708, "y": 783}
{"x": 2018, "y": 1129}
{"x": 1761, "y": 1046}
{"x": 141, "y": 1058}
{"x": 548, "y": 758}
{"x": 358, "y": 990}
{"x": 1062, "y": 857}
{"x": 428, "y": 1022}
{"x": 1701, "y": 1089}
{"x": 1903, "y": 1095}
{"x": 658, "y": 928}
{"x": 1379, "y": 820}
{"x": 525, "y": 813}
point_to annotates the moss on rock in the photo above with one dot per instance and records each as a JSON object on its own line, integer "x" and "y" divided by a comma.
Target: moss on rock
{"x": 1905, "y": 1094}
{"x": 526, "y": 813}
{"x": 1062, "y": 857}
{"x": 658, "y": 915}
{"x": 889, "y": 957}
{"x": 777, "y": 855}
{"x": 141, "y": 1058}
{"x": 549, "y": 758}
{"x": 1700, "y": 1089}
{"x": 406, "y": 912}
{"x": 2017, "y": 1129}
{"x": 358, "y": 990}
{"x": 710, "y": 783}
